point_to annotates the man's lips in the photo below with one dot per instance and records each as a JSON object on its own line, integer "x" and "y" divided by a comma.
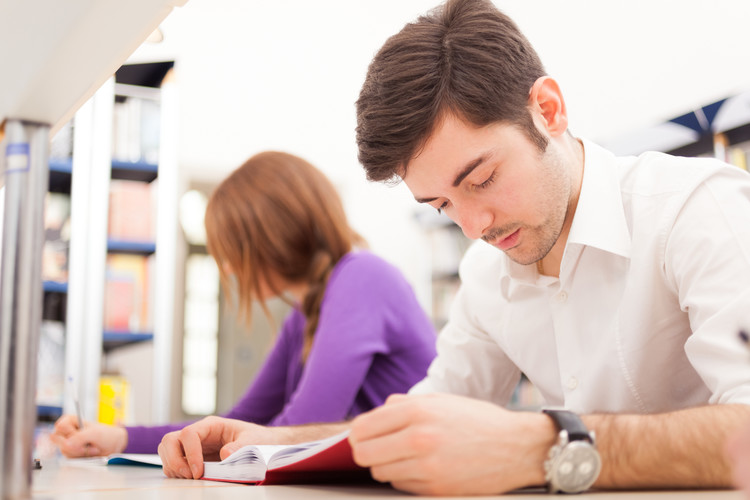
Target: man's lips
{"x": 509, "y": 241}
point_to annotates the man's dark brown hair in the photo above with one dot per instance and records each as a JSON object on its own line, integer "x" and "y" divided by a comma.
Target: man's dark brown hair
{"x": 464, "y": 58}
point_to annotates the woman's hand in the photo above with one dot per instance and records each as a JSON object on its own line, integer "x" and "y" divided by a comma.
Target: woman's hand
{"x": 213, "y": 438}
{"x": 94, "y": 439}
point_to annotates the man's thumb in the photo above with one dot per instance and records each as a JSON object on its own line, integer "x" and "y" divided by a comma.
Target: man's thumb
{"x": 228, "y": 449}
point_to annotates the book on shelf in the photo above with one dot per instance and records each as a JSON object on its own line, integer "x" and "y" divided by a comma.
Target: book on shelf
{"x": 114, "y": 400}
{"x": 56, "y": 237}
{"x": 50, "y": 364}
{"x": 128, "y": 293}
{"x": 136, "y": 129}
{"x": 131, "y": 213}
{"x": 326, "y": 460}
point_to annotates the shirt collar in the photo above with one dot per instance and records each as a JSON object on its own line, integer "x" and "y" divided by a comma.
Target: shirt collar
{"x": 600, "y": 220}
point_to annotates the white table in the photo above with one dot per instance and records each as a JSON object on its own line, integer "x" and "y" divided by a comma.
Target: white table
{"x": 86, "y": 479}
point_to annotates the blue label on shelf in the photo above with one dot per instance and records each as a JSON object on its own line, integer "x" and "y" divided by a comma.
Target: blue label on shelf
{"x": 17, "y": 157}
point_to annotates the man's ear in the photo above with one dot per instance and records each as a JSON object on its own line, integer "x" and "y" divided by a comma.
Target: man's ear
{"x": 546, "y": 102}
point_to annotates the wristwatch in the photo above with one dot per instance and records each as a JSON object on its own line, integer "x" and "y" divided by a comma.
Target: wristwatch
{"x": 573, "y": 463}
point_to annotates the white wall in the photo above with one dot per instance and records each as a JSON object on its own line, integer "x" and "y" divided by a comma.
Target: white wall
{"x": 284, "y": 74}
{"x": 629, "y": 64}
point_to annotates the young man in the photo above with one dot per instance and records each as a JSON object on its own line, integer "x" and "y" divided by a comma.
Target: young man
{"x": 617, "y": 285}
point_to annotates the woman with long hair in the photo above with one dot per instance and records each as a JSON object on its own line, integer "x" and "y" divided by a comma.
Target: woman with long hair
{"x": 356, "y": 334}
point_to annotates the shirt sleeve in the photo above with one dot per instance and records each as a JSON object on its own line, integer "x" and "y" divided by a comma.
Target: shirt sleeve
{"x": 351, "y": 332}
{"x": 707, "y": 262}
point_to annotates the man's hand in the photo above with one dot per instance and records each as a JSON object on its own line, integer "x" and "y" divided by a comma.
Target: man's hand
{"x": 213, "y": 438}
{"x": 452, "y": 445}
{"x": 93, "y": 440}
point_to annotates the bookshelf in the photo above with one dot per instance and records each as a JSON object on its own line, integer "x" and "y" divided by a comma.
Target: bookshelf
{"x": 60, "y": 170}
{"x": 124, "y": 197}
{"x": 50, "y": 366}
{"x": 54, "y": 286}
{"x": 134, "y": 171}
{"x": 55, "y": 68}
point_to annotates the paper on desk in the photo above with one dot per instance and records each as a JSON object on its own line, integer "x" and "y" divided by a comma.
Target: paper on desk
{"x": 143, "y": 459}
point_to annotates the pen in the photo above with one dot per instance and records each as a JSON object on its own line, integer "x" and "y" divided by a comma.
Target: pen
{"x": 76, "y": 402}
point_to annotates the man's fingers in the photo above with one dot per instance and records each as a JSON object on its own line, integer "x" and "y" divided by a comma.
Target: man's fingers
{"x": 398, "y": 412}
{"x": 401, "y": 471}
{"x": 384, "y": 449}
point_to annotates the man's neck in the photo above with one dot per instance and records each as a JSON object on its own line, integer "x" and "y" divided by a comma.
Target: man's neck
{"x": 574, "y": 155}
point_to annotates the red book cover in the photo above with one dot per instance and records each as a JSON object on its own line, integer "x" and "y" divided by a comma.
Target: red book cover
{"x": 327, "y": 460}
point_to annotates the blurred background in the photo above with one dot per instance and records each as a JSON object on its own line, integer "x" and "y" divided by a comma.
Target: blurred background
{"x": 246, "y": 76}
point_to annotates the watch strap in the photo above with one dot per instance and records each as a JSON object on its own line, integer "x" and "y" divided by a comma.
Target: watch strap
{"x": 570, "y": 422}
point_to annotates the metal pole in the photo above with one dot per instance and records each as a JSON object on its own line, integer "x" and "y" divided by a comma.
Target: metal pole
{"x": 26, "y": 181}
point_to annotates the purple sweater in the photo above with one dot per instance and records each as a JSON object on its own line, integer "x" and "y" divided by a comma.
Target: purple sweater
{"x": 373, "y": 339}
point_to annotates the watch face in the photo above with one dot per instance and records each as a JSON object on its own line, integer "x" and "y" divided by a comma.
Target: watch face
{"x": 576, "y": 467}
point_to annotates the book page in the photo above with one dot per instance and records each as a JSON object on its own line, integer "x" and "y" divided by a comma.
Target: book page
{"x": 289, "y": 463}
{"x": 244, "y": 465}
{"x": 267, "y": 451}
{"x": 294, "y": 453}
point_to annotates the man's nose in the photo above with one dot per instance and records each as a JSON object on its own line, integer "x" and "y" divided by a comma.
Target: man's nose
{"x": 473, "y": 220}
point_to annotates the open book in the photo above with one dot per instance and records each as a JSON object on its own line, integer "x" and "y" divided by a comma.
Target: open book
{"x": 326, "y": 460}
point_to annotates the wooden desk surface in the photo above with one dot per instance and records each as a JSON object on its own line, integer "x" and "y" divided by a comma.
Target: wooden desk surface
{"x": 87, "y": 480}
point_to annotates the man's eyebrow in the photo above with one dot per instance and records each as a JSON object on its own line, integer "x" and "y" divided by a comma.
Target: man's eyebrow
{"x": 425, "y": 200}
{"x": 469, "y": 168}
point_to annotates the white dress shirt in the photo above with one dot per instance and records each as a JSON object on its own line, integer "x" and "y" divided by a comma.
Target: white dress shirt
{"x": 654, "y": 286}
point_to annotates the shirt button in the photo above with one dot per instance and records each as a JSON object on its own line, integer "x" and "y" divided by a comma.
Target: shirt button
{"x": 562, "y": 297}
{"x": 572, "y": 383}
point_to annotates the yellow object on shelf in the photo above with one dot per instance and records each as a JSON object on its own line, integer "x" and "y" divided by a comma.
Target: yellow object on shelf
{"x": 114, "y": 394}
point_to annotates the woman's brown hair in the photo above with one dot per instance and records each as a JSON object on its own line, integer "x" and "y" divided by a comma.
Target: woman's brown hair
{"x": 466, "y": 58}
{"x": 277, "y": 216}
